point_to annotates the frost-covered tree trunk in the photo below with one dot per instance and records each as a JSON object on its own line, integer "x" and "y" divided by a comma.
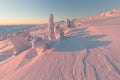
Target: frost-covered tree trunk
{"x": 51, "y": 27}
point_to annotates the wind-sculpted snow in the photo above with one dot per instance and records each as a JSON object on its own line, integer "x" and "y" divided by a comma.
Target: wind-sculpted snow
{"x": 84, "y": 53}
{"x": 67, "y": 61}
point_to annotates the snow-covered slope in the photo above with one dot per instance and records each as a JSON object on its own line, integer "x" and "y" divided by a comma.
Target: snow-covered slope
{"x": 88, "y": 52}
{"x": 103, "y": 16}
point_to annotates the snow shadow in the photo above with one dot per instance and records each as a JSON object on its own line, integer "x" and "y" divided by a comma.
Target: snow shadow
{"x": 31, "y": 54}
{"x": 77, "y": 43}
{"x": 78, "y": 30}
{"x": 6, "y": 55}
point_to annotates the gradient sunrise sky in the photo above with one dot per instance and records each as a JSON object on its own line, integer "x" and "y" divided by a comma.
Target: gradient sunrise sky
{"x": 37, "y": 11}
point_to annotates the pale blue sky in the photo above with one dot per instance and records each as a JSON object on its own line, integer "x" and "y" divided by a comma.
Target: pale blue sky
{"x": 37, "y": 11}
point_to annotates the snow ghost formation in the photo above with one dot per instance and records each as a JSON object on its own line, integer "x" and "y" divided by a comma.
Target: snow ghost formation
{"x": 36, "y": 42}
{"x": 51, "y": 27}
{"x": 18, "y": 43}
{"x": 57, "y": 31}
{"x": 68, "y": 24}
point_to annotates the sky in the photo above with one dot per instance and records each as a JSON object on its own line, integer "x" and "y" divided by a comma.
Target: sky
{"x": 37, "y": 11}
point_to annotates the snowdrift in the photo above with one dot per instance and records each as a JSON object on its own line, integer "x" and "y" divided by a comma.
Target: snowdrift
{"x": 88, "y": 52}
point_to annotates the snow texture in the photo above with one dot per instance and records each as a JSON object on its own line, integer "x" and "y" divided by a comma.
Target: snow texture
{"x": 88, "y": 52}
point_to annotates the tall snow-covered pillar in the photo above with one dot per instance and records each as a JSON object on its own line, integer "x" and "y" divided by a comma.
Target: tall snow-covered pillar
{"x": 51, "y": 27}
{"x": 57, "y": 31}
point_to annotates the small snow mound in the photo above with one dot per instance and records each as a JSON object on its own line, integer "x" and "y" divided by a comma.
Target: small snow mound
{"x": 92, "y": 29}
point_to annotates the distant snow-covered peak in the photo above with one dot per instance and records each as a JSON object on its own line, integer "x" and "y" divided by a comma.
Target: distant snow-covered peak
{"x": 116, "y": 10}
{"x": 111, "y": 13}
